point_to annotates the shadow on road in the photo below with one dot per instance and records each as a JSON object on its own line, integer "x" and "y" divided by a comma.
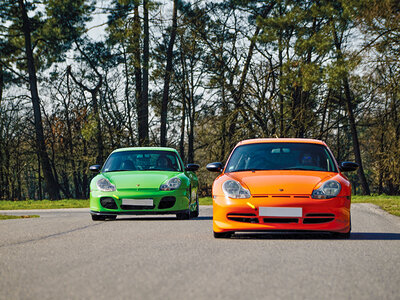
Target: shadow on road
{"x": 378, "y": 236}
{"x": 204, "y": 218}
{"x": 158, "y": 218}
{"x": 146, "y": 219}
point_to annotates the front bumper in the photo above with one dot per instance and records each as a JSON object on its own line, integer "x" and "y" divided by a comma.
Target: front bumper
{"x": 164, "y": 202}
{"x": 329, "y": 215}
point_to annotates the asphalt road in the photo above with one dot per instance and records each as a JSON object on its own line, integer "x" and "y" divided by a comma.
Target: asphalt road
{"x": 65, "y": 255}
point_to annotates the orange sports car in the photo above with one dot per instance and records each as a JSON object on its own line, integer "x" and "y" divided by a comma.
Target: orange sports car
{"x": 281, "y": 185}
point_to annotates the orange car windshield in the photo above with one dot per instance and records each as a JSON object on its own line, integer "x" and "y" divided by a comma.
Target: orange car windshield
{"x": 281, "y": 156}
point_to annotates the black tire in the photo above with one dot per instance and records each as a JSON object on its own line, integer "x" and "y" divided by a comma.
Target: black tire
{"x": 183, "y": 215}
{"x": 98, "y": 218}
{"x": 195, "y": 214}
{"x": 222, "y": 235}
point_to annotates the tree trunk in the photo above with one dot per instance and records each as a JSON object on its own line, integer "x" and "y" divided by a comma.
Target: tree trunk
{"x": 350, "y": 114}
{"x": 99, "y": 135}
{"x": 138, "y": 72}
{"x": 40, "y": 194}
{"x": 238, "y": 94}
{"x": 168, "y": 71}
{"x": 143, "y": 117}
{"x": 281, "y": 103}
{"x": 52, "y": 186}
{"x": 356, "y": 145}
{"x": 127, "y": 97}
{"x": 191, "y": 110}
{"x": 70, "y": 141}
{"x": 183, "y": 124}
{"x": 183, "y": 120}
{"x": 1, "y": 83}
{"x": 93, "y": 92}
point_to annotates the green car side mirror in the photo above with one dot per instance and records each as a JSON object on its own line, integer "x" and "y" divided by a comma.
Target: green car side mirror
{"x": 95, "y": 168}
{"x": 192, "y": 167}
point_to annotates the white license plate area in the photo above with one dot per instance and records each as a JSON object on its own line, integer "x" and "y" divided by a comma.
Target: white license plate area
{"x": 138, "y": 202}
{"x": 280, "y": 212}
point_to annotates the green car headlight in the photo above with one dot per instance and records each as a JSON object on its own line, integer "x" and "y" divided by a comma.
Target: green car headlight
{"x": 171, "y": 184}
{"x": 105, "y": 185}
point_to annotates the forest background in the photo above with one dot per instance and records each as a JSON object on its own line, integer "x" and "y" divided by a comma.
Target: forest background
{"x": 198, "y": 76}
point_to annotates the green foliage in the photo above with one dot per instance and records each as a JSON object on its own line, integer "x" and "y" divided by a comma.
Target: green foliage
{"x": 389, "y": 203}
{"x": 53, "y": 30}
{"x": 8, "y": 217}
{"x": 292, "y": 87}
{"x": 43, "y": 204}
{"x": 205, "y": 201}
{"x": 89, "y": 128}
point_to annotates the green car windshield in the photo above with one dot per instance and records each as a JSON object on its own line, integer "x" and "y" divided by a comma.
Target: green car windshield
{"x": 281, "y": 156}
{"x": 145, "y": 160}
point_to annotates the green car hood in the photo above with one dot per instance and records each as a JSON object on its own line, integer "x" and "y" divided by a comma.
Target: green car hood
{"x": 139, "y": 179}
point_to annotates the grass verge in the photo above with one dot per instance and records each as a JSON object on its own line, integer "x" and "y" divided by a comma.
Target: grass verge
{"x": 7, "y": 217}
{"x": 389, "y": 203}
{"x": 44, "y": 204}
{"x": 205, "y": 201}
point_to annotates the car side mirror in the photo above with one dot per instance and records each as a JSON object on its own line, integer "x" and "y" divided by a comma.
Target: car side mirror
{"x": 348, "y": 166}
{"x": 215, "y": 167}
{"x": 192, "y": 167}
{"x": 95, "y": 168}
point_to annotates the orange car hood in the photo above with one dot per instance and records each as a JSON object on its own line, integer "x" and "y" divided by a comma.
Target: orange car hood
{"x": 280, "y": 182}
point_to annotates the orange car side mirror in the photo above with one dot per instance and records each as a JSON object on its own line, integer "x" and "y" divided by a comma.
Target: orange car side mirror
{"x": 215, "y": 167}
{"x": 348, "y": 166}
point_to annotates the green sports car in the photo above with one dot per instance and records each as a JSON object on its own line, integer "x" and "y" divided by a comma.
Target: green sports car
{"x": 144, "y": 180}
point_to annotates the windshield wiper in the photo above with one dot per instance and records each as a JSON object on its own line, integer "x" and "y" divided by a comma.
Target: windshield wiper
{"x": 296, "y": 168}
{"x": 249, "y": 170}
{"x": 118, "y": 170}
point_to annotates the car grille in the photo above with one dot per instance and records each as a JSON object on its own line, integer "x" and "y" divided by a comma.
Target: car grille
{"x": 281, "y": 196}
{"x": 281, "y": 220}
{"x": 311, "y": 218}
{"x": 136, "y": 207}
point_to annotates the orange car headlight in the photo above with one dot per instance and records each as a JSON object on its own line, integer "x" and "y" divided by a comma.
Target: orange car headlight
{"x": 327, "y": 190}
{"x": 233, "y": 189}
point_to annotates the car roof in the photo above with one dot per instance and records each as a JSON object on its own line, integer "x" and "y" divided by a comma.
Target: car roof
{"x": 145, "y": 148}
{"x": 281, "y": 140}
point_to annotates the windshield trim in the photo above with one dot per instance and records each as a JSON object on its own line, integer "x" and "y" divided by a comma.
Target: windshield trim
{"x": 142, "y": 151}
{"x": 327, "y": 152}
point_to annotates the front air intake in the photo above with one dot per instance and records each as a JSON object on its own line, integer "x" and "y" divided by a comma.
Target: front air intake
{"x": 245, "y": 218}
{"x": 108, "y": 202}
{"x": 167, "y": 202}
{"x": 317, "y": 220}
